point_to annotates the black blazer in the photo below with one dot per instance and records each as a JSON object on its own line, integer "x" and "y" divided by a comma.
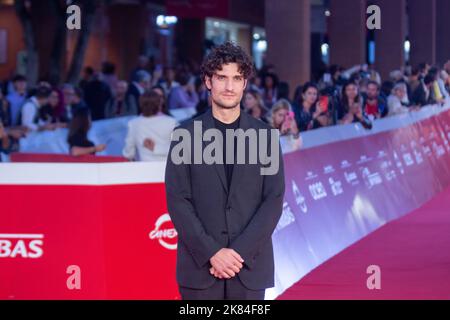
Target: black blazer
{"x": 132, "y": 98}
{"x": 208, "y": 216}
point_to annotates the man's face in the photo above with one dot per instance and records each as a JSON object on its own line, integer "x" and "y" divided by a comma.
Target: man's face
{"x": 146, "y": 84}
{"x": 69, "y": 94}
{"x": 226, "y": 86}
{"x": 372, "y": 91}
{"x": 121, "y": 88}
{"x": 400, "y": 92}
{"x": 53, "y": 99}
{"x": 20, "y": 86}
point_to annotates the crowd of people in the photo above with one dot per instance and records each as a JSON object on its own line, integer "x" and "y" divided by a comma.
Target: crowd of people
{"x": 340, "y": 96}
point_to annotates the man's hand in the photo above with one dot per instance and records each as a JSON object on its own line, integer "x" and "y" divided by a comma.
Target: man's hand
{"x": 226, "y": 263}
{"x": 215, "y": 273}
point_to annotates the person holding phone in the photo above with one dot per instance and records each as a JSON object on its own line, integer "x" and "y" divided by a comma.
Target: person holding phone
{"x": 283, "y": 118}
{"x": 311, "y": 112}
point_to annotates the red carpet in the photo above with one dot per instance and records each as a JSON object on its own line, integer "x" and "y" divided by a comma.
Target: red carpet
{"x": 413, "y": 253}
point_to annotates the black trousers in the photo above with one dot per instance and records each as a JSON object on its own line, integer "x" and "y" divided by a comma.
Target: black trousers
{"x": 223, "y": 289}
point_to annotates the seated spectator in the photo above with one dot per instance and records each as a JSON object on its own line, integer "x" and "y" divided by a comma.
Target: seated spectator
{"x": 445, "y": 79}
{"x": 270, "y": 89}
{"x": 68, "y": 91}
{"x": 423, "y": 69}
{"x": 96, "y": 95}
{"x": 363, "y": 83}
{"x": 88, "y": 75}
{"x": 142, "y": 65}
{"x": 438, "y": 91}
{"x": 149, "y": 135}
{"x": 79, "y": 127}
{"x": 201, "y": 89}
{"x": 254, "y": 83}
{"x": 421, "y": 96}
{"x": 50, "y": 113}
{"x": 283, "y": 119}
{"x": 109, "y": 77}
{"x": 159, "y": 90}
{"x": 30, "y": 111}
{"x": 446, "y": 69}
{"x": 183, "y": 96}
{"x": 374, "y": 75}
{"x": 16, "y": 99}
{"x": 309, "y": 114}
{"x": 169, "y": 80}
{"x": 78, "y": 101}
{"x": 137, "y": 88}
{"x": 254, "y": 105}
{"x": 396, "y": 76}
{"x": 374, "y": 106}
{"x": 119, "y": 106}
{"x": 4, "y": 121}
{"x": 395, "y": 100}
{"x": 414, "y": 80}
{"x": 355, "y": 114}
{"x": 349, "y": 96}
{"x": 9, "y": 135}
{"x": 386, "y": 89}
{"x": 5, "y": 117}
{"x": 4, "y": 139}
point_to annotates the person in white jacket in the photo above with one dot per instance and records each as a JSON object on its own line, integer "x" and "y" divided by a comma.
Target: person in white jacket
{"x": 149, "y": 135}
{"x": 395, "y": 101}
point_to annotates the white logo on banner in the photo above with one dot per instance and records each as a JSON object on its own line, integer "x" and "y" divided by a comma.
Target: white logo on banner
{"x": 164, "y": 234}
{"x": 23, "y": 245}
{"x": 444, "y": 138}
{"x": 439, "y": 150}
{"x": 351, "y": 178}
{"x": 310, "y": 175}
{"x": 328, "y": 169}
{"x": 336, "y": 186}
{"x": 381, "y": 154}
{"x": 299, "y": 198}
{"x": 371, "y": 179}
{"x": 417, "y": 154}
{"x": 398, "y": 163}
{"x": 363, "y": 159}
{"x": 287, "y": 217}
{"x": 427, "y": 151}
{"x": 317, "y": 190}
{"x": 408, "y": 159}
{"x": 345, "y": 164}
{"x": 389, "y": 173}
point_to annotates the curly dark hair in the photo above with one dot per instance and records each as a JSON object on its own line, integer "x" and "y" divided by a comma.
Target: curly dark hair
{"x": 224, "y": 54}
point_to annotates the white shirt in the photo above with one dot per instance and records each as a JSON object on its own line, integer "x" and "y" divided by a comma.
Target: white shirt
{"x": 158, "y": 128}
{"x": 29, "y": 113}
{"x": 395, "y": 106}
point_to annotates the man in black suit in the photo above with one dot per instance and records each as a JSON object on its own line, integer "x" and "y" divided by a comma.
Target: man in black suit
{"x": 137, "y": 89}
{"x": 225, "y": 211}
